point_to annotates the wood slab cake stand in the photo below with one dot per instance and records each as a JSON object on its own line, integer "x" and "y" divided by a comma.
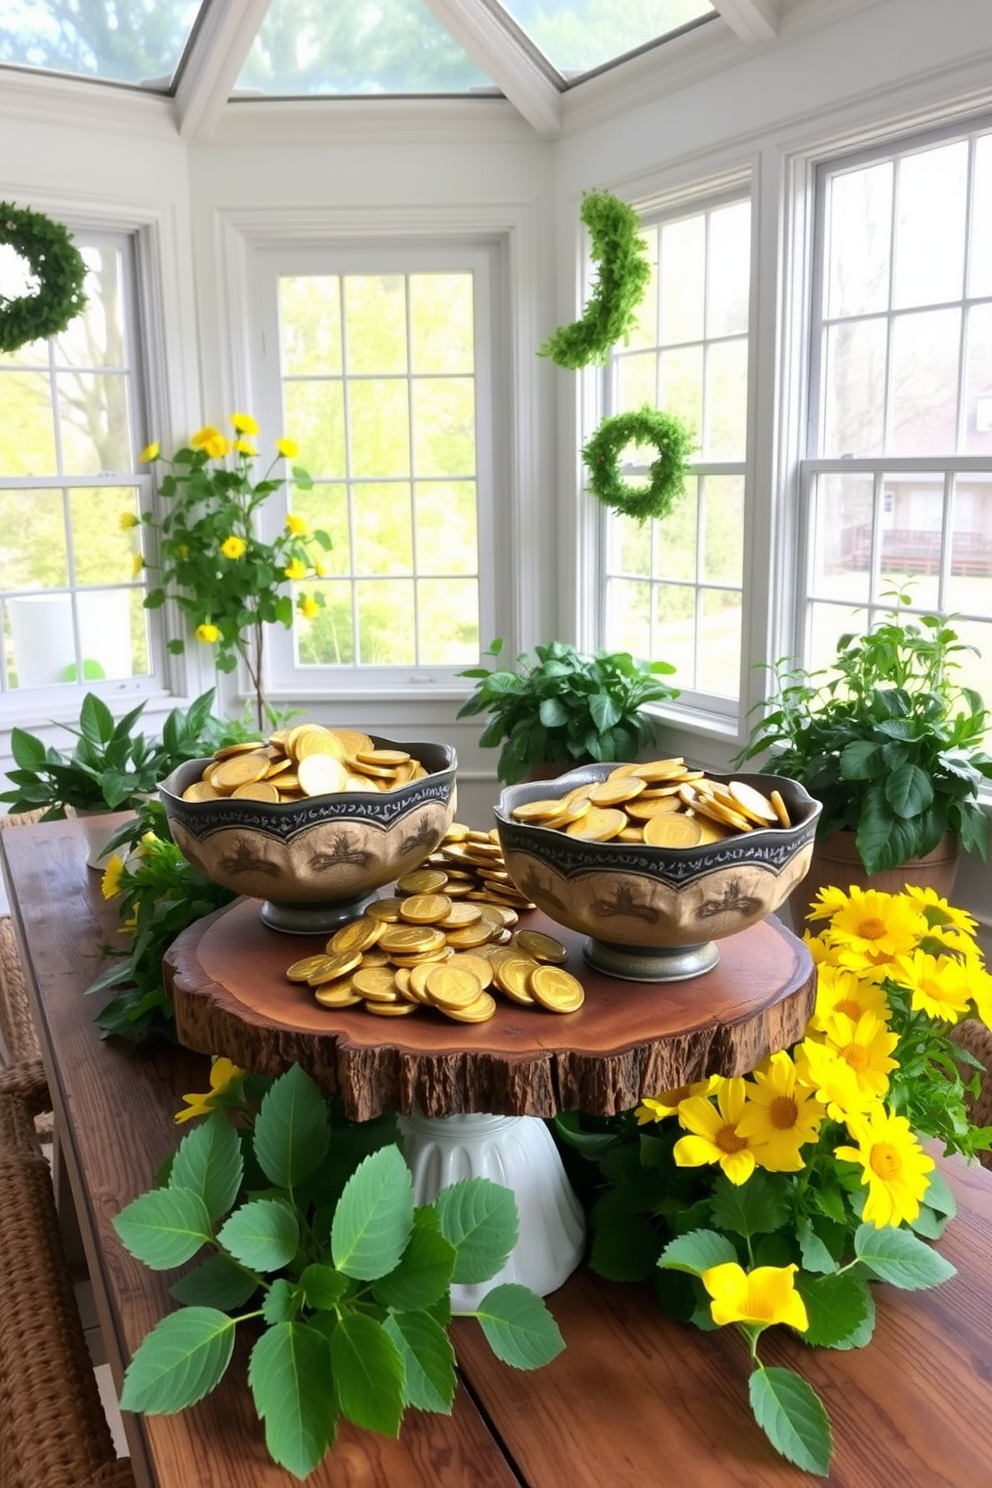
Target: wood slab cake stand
{"x": 472, "y": 1097}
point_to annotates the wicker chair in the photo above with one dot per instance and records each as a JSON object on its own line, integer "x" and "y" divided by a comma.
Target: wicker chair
{"x": 53, "y": 1430}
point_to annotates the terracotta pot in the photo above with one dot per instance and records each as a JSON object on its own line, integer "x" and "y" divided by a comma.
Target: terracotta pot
{"x": 835, "y": 862}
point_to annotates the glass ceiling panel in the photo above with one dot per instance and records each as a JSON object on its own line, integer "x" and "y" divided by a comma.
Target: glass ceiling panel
{"x": 356, "y": 46}
{"x": 139, "y": 42}
{"x": 579, "y": 35}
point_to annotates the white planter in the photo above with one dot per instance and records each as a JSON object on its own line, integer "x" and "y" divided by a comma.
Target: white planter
{"x": 43, "y": 641}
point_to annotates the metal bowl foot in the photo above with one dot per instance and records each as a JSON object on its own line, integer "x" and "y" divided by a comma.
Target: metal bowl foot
{"x": 649, "y": 963}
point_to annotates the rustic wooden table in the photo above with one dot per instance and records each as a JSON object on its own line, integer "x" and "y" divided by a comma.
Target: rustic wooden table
{"x": 633, "y": 1402}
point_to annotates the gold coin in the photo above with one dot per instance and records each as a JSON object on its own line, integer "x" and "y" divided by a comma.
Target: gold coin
{"x": 558, "y": 991}
{"x": 536, "y": 811}
{"x": 665, "y": 769}
{"x": 417, "y": 982}
{"x": 411, "y": 940}
{"x": 375, "y": 982}
{"x": 541, "y": 947}
{"x": 391, "y": 1009}
{"x": 452, "y": 986}
{"x": 321, "y": 775}
{"x": 676, "y": 830}
{"x": 479, "y": 966}
{"x": 422, "y": 881}
{"x": 201, "y": 790}
{"x": 630, "y": 834}
{"x": 513, "y": 977}
{"x": 319, "y": 741}
{"x": 571, "y": 813}
{"x": 352, "y": 742}
{"x": 710, "y": 831}
{"x": 240, "y": 769}
{"x": 390, "y": 757}
{"x": 467, "y": 937}
{"x": 781, "y": 810}
{"x": 357, "y": 935}
{"x": 257, "y": 790}
{"x": 752, "y": 803}
{"x": 302, "y": 969}
{"x": 228, "y": 751}
{"x": 291, "y": 743}
{"x": 337, "y": 995}
{"x": 479, "y": 1011}
{"x": 418, "y": 958}
{"x": 424, "y": 909}
{"x": 598, "y": 825}
{"x": 616, "y": 792}
{"x": 337, "y": 965}
{"x": 645, "y": 807}
{"x": 460, "y": 915}
{"x": 384, "y": 909}
{"x": 289, "y": 782}
{"x": 707, "y": 805}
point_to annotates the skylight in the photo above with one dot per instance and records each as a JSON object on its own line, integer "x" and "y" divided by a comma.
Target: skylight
{"x": 579, "y": 36}
{"x": 140, "y": 42}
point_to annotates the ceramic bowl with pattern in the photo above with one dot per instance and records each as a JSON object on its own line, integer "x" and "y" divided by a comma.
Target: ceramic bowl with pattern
{"x": 656, "y": 913}
{"x": 315, "y": 863}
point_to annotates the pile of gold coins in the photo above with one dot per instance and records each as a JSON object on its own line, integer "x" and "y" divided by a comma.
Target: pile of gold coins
{"x": 308, "y": 760}
{"x": 446, "y": 940}
{"x": 659, "y": 803}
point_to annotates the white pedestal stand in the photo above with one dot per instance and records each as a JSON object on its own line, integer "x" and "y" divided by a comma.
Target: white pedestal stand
{"x": 519, "y": 1153}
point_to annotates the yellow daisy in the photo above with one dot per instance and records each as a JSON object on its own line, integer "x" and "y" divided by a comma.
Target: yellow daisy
{"x": 233, "y": 547}
{"x": 208, "y": 634}
{"x": 110, "y": 883}
{"x": 222, "y": 1074}
{"x": 309, "y": 607}
{"x": 244, "y": 423}
{"x": 296, "y": 570}
{"x": 203, "y": 437}
{"x": 940, "y": 985}
{"x": 657, "y": 1107}
{"x": 780, "y": 1116}
{"x": 150, "y": 452}
{"x": 127, "y": 520}
{"x": 714, "y": 1136}
{"x": 937, "y": 910}
{"x": 877, "y": 924}
{"x": 865, "y": 1044}
{"x": 894, "y": 1166}
{"x": 296, "y": 524}
{"x": 288, "y": 448}
{"x": 832, "y": 1080}
{"x": 762, "y": 1297}
{"x": 839, "y": 990}
{"x": 137, "y": 564}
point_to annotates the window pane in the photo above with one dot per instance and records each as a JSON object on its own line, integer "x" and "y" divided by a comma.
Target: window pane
{"x": 577, "y": 36}
{"x": 328, "y": 639}
{"x": 326, "y": 507}
{"x": 444, "y": 426}
{"x": 375, "y": 323}
{"x": 441, "y": 323}
{"x": 386, "y": 622}
{"x": 723, "y": 516}
{"x": 970, "y": 587}
{"x": 446, "y": 528}
{"x": 27, "y": 429}
{"x": 33, "y": 550}
{"x": 719, "y": 648}
{"x": 980, "y": 268}
{"x": 925, "y": 350}
{"x": 825, "y": 625}
{"x": 628, "y": 623}
{"x": 629, "y": 546}
{"x": 725, "y": 435}
{"x": 102, "y": 551}
{"x": 859, "y": 238}
{"x": 680, "y": 384}
{"x": 674, "y": 631}
{"x": 383, "y": 529}
{"x": 728, "y": 271}
{"x": 125, "y": 43}
{"x": 310, "y": 325}
{"x": 645, "y": 329}
{"x": 315, "y": 419}
{"x": 978, "y": 386}
{"x": 447, "y": 611}
{"x": 930, "y": 224}
{"x": 854, "y": 388}
{"x": 636, "y": 380}
{"x": 676, "y": 539}
{"x": 841, "y": 537}
{"x": 44, "y": 642}
{"x": 95, "y": 422}
{"x": 96, "y": 337}
{"x": 682, "y": 280}
{"x": 379, "y": 425}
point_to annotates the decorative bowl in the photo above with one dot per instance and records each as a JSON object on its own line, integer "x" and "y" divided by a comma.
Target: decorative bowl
{"x": 655, "y": 913}
{"x": 317, "y": 862}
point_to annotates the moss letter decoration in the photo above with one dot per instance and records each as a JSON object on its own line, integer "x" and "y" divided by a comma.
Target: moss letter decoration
{"x": 624, "y": 271}
{"x": 674, "y": 442}
{"x": 58, "y": 266}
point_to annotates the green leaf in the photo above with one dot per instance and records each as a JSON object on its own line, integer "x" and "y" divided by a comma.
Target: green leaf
{"x": 165, "y": 1227}
{"x": 290, "y": 1380}
{"x": 425, "y": 1269}
{"x": 218, "y": 1282}
{"x": 368, "y": 1374}
{"x": 180, "y": 1361}
{"x": 792, "y": 1417}
{"x": 291, "y": 1131}
{"x": 374, "y": 1217}
{"x": 428, "y": 1360}
{"x": 479, "y": 1217}
{"x": 939, "y": 1196}
{"x": 282, "y": 1302}
{"x": 759, "y": 1206}
{"x": 815, "y": 1255}
{"x": 263, "y": 1234}
{"x": 323, "y": 1287}
{"x": 898, "y": 1257}
{"x": 697, "y": 1251}
{"x": 208, "y": 1162}
{"x": 519, "y": 1328}
{"x": 836, "y": 1305}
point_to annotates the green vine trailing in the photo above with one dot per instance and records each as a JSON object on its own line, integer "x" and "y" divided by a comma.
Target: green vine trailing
{"x": 58, "y": 266}
{"x": 672, "y": 439}
{"x": 624, "y": 273}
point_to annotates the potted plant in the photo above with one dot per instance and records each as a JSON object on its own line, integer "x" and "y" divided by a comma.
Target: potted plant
{"x": 891, "y": 744}
{"x": 566, "y": 707}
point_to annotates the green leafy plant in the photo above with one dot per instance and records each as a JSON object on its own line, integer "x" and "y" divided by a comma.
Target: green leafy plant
{"x": 781, "y": 1198}
{"x": 112, "y": 765}
{"x": 886, "y": 739}
{"x": 673, "y": 442}
{"x": 566, "y": 707}
{"x": 314, "y": 1243}
{"x": 227, "y": 581}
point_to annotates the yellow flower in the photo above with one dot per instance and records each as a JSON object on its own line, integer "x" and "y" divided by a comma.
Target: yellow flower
{"x": 940, "y": 985}
{"x": 222, "y": 1074}
{"x": 309, "y": 607}
{"x": 839, "y": 990}
{"x": 233, "y": 547}
{"x": 208, "y": 634}
{"x": 877, "y": 925}
{"x": 296, "y": 524}
{"x": 244, "y": 423}
{"x": 657, "y": 1107}
{"x": 150, "y": 452}
{"x": 780, "y": 1116}
{"x": 137, "y": 564}
{"x": 760, "y": 1297}
{"x": 217, "y": 448}
{"x": 296, "y": 570}
{"x": 937, "y": 910}
{"x": 894, "y": 1166}
{"x": 320, "y": 568}
{"x": 110, "y": 883}
{"x": 865, "y": 1045}
{"x": 245, "y": 447}
{"x": 127, "y": 519}
{"x": 834, "y": 1083}
{"x": 203, "y": 436}
{"x": 288, "y": 448}
{"x": 715, "y": 1137}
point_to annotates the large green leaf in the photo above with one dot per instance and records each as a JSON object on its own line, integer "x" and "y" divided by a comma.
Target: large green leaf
{"x": 479, "y": 1217}
{"x": 282, "y": 1301}
{"x": 290, "y": 1379}
{"x": 368, "y": 1374}
{"x": 518, "y": 1326}
{"x": 428, "y": 1360}
{"x": 837, "y": 1306}
{"x": 291, "y": 1131}
{"x": 898, "y": 1257}
{"x": 208, "y": 1162}
{"x": 164, "y": 1227}
{"x": 179, "y": 1362}
{"x": 425, "y": 1270}
{"x": 374, "y": 1217}
{"x": 815, "y": 1255}
{"x": 908, "y": 790}
{"x": 218, "y": 1282}
{"x": 697, "y": 1251}
{"x": 323, "y": 1287}
{"x": 263, "y": 1234}
{"x": 759, "y": 1206}
{"x": 791, "y": 1415}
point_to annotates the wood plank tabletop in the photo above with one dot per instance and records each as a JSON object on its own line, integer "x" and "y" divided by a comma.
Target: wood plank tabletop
{"x": 633, "y": 1402}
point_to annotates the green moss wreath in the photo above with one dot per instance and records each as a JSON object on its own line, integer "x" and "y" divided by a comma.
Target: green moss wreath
{"x": 674, "y": 442}
{"x": 624, "y": 272}
{"x": 58, "y": 266}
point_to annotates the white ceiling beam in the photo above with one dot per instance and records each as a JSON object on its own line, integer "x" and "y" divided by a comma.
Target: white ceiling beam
{"x": 751, "y": 20}
{"x": 495, "y": 49}
{"x": 222, "y": 42}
